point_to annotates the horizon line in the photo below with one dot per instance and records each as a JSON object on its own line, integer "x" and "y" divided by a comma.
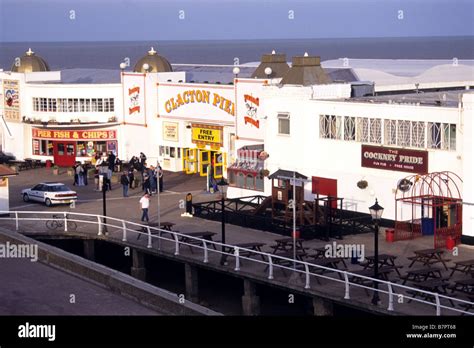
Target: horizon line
{"x": 262, "y": 39}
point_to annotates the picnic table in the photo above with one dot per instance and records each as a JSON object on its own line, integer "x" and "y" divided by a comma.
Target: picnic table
{"x": 320, "y": 253}
{"x": 287, "y": 255}
{"x": 465, "y": 286}
{"x": 383, "y": 273}
{"x": 466, "y": 266}
{"x": 439, "y": 285}
{"x": 19, "y": 165}
{"x": 188, "y": 238}
{"x": 250, "y": 246}
{"x": 428, "y": 257}
{"x": 286, "y": 244}
{"x": 330, "y": 262}
{"x": 384, "y": 260}
{"x": 163, "y": 226}
{"x": 421, "y": 275}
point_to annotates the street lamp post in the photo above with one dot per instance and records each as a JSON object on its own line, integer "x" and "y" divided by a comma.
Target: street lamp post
{"x": 105, "y": 183}
{"x": 223, "y": 185}
{"x": 376, "y": 212}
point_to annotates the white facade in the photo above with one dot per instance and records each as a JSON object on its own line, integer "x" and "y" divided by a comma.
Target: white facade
{"x": 311, "y": 152}
{"x": 188, "y": 126}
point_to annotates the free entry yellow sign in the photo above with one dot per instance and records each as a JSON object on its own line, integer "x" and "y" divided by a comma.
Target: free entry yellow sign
{"x": 206, "y": 135}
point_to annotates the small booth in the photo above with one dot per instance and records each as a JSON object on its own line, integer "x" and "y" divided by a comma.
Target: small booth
{"x": 434, "y": 204}
{"x": 282, "y": 195}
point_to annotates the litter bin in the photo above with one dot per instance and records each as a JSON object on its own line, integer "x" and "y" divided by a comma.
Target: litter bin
{"x": 450, "y": 243}
{"x": 49, "y": 164}
{"x": 389, "y": 235}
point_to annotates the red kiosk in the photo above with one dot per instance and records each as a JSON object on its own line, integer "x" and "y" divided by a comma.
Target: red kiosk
{"x": 435, "y": 204}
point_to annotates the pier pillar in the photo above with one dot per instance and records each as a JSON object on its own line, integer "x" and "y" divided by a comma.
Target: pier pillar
{"x": 89, "y": 249}
{"x": 322, "y": 307}
{"x": 138, "y": 269}
{"x": 250, "y": 301}
{"x": 191, "y": 282}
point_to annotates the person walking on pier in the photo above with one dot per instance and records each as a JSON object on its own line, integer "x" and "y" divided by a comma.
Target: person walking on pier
{"x": 145, "y": 204}
{"x": 125, "y": 182}
{"x": 160, "y": 177}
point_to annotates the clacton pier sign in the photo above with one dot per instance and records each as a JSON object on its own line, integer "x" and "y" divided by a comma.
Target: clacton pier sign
{"x": 403, "y": 160}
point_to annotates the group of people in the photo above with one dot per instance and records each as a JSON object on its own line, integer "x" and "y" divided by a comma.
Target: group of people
{"x": 80, "y": 174}
{"x": 134, "y": 174}
{"x": 138, "y": 173}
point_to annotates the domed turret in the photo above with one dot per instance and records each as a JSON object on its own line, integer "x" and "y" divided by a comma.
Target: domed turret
{"x": 30, "y": 63}
{"x": 152, "y": 62}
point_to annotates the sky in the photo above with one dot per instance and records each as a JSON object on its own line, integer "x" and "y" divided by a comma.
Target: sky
{"x": 131, "y": 20}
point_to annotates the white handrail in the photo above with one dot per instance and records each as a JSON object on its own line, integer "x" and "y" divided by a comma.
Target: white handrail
{"x": 270, "y": 263}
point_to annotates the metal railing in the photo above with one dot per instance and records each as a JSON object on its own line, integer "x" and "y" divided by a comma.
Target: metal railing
{"x": 271, "y": 261}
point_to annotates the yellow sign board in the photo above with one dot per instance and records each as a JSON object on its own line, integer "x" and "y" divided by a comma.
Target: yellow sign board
{"x": 207, "y": 135}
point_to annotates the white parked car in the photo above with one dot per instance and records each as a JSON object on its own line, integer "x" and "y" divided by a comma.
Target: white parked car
{"x": 49, "y": 193}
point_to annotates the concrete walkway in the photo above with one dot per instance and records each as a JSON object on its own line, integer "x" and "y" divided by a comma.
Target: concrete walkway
{"x": 32, "y": 288}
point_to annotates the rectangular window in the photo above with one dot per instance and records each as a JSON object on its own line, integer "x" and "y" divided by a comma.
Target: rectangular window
{"x": 375, "y": 130}
{"x": 434, "y": 135}
{"x": 100, "y": 106}
{"x": 362, "y": 129}
{"x": 390, "y": 132}
{"x": 330, "y": 126}
{"x": 403, "y": 133}
{"x": 349, "y": 128}
{"x": 36, "y": 104}
{"x": 259, "y": 182}
{"x": 162, "y": 150}
{"x": 452, "y": 137}
{"x": 283, "y": 124}
{"x": 87, "y": 105}
{"x": 106, "y": 105}
{"x": 172, "y": 152}
{"x": 43, "y": 104}
{"x": 418, "y": 134}
{"x": 112, "y": 106}
{"x": 82, "y": 105}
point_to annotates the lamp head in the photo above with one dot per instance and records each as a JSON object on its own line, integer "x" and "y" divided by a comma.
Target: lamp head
{"x": 376, "y": 211}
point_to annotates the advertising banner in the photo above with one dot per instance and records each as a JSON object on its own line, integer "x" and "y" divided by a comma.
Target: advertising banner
{"x": 388, "y": 158}
{"x": 134, "y": 99}
{"x": 249, "y": 116}
{"x": 11, "y": 97}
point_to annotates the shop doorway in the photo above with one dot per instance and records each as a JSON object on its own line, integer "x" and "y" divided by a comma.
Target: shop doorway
{"x": 190, "y": 161}
{"x": 204, "y": 161}
{"x": 64, "y": 153}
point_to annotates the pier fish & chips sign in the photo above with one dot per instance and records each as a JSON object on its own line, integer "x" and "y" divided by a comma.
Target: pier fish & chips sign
{"x": 248, "y": 103}
{"x": 388, "y": 158}
{"x": 58, "y": 134}
{"x": 194, "y": 101}
{"x": 134, "y": 98}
